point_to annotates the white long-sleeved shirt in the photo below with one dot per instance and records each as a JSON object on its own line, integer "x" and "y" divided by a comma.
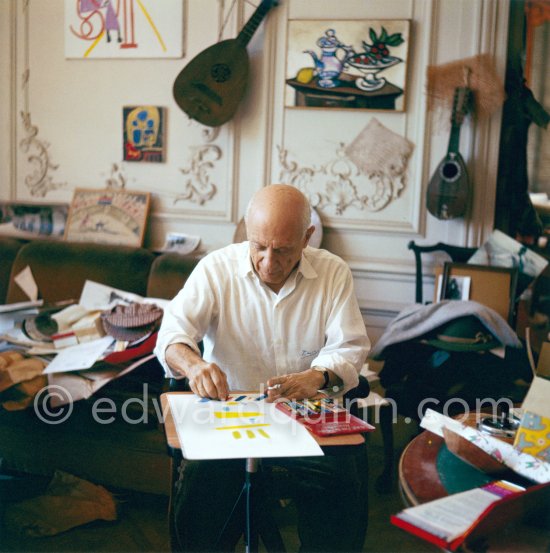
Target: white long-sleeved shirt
{"x": 253, "y": 334}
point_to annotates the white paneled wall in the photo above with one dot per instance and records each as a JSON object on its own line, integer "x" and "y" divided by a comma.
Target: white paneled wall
{"x": 72, "y": 135}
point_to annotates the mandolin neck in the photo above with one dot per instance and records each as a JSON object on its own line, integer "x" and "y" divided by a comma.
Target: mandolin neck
{"x": 454, "y": 139}
{"x": 462, "y": 102}
{"x": 243, "y": 38}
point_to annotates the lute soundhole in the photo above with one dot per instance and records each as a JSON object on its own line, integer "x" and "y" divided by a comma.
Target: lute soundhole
{"x": 451, "y": 171}
{"x": 220, "y": 72}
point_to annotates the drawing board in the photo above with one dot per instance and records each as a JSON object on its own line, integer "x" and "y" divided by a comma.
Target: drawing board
{"x": 243, "y": 427}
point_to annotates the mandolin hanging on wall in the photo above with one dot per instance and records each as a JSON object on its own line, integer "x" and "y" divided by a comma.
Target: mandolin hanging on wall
{"x": 210, "y": 87}
{"x": 449, "y": 187}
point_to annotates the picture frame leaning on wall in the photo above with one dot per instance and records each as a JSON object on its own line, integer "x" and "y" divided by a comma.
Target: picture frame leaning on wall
{"x": 108, "y": 216}
{"x": 494, "y": 287}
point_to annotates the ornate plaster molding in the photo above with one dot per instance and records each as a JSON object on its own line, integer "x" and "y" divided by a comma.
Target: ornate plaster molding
{"x": 339, "y": 184}
{"x": 117, "y": 179}
{"x": 38, "y": 181}
{"x": 199, "y": 187}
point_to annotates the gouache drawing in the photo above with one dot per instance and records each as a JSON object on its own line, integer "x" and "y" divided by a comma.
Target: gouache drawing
{"x": 244, "y": 426}
{"x": 143, "y": 133}
{"x": 123, "y": 29}
{"x": 108, "y": 216}
{"x": 347, "y": 64}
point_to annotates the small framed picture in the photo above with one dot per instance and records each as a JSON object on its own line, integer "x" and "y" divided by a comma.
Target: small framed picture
{"x": 457, "y": 288}
{"x": 144, "y": 136}
{"x": 108, "y": 216}
{"x": 494, "y": 287}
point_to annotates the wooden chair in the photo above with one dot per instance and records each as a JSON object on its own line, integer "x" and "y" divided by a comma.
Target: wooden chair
{"x": 459, "y": 254}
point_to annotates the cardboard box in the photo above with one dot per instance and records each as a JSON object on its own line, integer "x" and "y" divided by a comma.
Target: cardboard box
{"x": 533, "y": 434}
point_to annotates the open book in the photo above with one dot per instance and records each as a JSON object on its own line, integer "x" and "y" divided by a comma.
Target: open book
{"x": 464, "y": 517}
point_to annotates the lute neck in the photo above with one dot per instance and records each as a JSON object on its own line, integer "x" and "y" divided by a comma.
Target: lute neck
{"x": 243, "y": 38}
{"x": 454, "y": 139}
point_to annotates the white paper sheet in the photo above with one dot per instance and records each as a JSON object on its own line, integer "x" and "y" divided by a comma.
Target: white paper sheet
{"x": 77, "y": 358}
{"x": 181, "y": 243}
{"x": 21, "y": 306}
{"x": 10, "y": 318}
{"x": 242, "y": 427}
{"x": 74, "y": 386}
{"x": 99, "y": 297}
{"x": 25, "y": 281}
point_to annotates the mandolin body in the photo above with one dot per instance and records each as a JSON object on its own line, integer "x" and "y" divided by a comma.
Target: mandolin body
{"x": 210, "y": 87}
{"x": 448, "y": 190}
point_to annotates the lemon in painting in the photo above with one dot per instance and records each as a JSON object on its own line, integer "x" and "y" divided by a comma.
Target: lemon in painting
{"x": 305, "y": 75}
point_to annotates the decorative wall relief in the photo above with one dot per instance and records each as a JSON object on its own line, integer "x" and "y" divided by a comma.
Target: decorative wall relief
{"x": 367, "y": 174}
{"x": 377, "y": 150}
{"x": 355, "y": 64}
{"x": 39, "y": 181}
{"x": 199, "y": 187}
{"x": 117, "y": 179}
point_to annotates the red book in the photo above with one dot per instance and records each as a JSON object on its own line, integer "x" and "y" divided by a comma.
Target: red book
{"x": 465, "y": 517}
{"x": 324, "y": 417}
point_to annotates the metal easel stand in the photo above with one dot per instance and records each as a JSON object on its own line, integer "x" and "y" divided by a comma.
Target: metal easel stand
{"x": 255, "y": 514}
{"x": 251, "y": 536}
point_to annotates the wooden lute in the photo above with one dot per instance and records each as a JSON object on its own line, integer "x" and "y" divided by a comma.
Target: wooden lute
{"x": 449, "y": 187}
{"x": 210, "y": 87}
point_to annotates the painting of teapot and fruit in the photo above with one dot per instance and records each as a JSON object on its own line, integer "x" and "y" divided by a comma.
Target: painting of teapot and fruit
{"x": 347, "y": 64}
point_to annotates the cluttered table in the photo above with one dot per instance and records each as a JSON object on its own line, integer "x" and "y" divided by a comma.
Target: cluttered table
{"x": 429, "y": 471}
{"x": 426, "y": 466}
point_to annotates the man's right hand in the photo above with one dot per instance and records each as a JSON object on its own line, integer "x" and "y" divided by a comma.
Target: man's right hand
{"x": 208, "y": 380}
{"x": 205, "y": 379}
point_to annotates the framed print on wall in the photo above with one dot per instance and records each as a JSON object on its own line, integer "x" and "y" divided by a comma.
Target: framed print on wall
{"x": 347, "y": 64}
{"x": 144, "y": 136}
{"x": 108, "y": 216}
{"x": 123, "y": 29}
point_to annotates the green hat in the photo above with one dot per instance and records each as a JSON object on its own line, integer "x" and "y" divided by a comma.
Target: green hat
{"x": 466, "y": 333}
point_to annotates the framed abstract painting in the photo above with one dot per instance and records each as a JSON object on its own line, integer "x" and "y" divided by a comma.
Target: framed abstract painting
{"x": 347, "y": 64}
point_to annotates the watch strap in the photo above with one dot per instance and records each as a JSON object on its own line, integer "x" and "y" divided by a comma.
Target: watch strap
{"x": 326, "y": 376}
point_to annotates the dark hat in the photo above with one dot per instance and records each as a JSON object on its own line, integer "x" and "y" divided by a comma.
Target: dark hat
{"x": 132, "y": 322}
{"x": 466, "y": 333}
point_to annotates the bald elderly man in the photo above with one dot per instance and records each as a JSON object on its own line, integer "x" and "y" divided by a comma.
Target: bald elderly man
{"x": 271, "y": 311}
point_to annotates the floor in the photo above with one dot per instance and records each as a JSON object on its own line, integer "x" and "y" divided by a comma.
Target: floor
{"x": 142, "y": 525}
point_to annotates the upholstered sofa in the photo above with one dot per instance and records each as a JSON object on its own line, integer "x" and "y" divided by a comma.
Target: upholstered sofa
{"x": 120, "y": 454}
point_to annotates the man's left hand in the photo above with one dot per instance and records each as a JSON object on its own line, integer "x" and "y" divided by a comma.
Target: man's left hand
{"x": 302, "y": 385}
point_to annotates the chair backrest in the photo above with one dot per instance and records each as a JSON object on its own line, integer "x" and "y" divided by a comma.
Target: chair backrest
{"x": 458, "y": 254}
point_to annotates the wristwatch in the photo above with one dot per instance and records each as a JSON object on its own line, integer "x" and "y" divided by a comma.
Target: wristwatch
{"x": 325, "y": 375}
